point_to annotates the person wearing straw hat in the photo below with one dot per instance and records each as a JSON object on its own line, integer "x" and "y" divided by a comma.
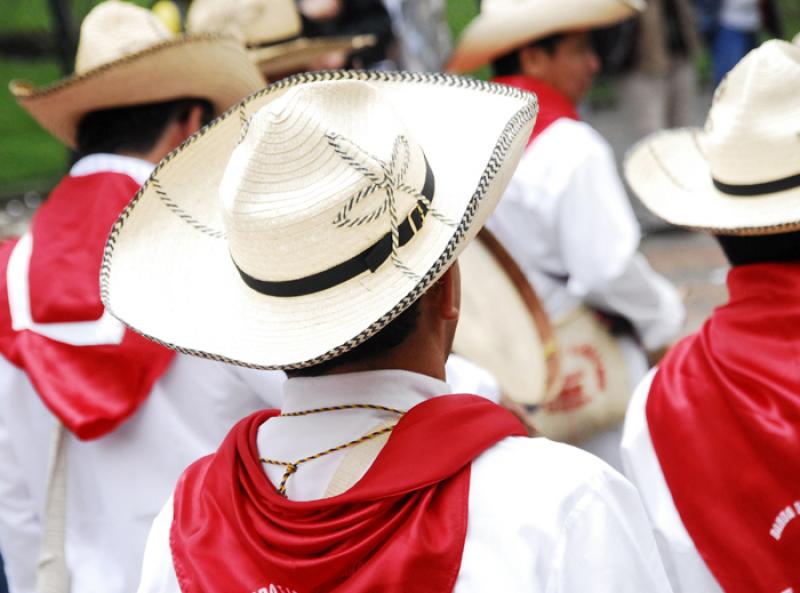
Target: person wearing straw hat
{"x": 332, "y": 212}
{"x": 711, "y": 435}
{"x": 272, "y": 30}
{"x": 273, "y": 33}
{"x": 129, "y": 415}
{"x": 566, "y": 218}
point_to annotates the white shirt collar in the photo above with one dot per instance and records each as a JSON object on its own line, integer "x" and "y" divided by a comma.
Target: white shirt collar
{"x": 391, "y": 388}
{"x": 137, "y": 169}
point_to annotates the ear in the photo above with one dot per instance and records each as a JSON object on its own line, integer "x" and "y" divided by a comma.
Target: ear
{"x": 533, "y": 62}
{"x": 449, "y": 302}
{"x": 193, "y": 122}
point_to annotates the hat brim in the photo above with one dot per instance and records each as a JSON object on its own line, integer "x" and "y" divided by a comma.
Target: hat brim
{"x": 493, "y": 34}
{"x": 299, "y": 54}
{"x": 503, "y": 326}
{"x": 670, "y": 175}
{"x": 206, "y": 66}
{"x": 167, "y": 271}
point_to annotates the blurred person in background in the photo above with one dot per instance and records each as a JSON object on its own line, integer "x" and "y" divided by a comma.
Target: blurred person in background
{"x": 422, "y": 35}
{"x": 731, "y": 29}
{"x": 114, "y": 416}
{"x": 325, "y": 18}
{"x": 655, "y": 55}
{"x": 565, "y": 217}
{"x": 711, "y": 435}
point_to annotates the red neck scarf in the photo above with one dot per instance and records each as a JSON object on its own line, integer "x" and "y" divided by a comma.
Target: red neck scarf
{"x": 401, "y": 528}
{"x": 553, "y": 105}
{"x": 724, "y": 416}
{"x": 91, "y": 389}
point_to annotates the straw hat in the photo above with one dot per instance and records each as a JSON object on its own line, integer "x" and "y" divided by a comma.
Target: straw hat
{"x": 272, "y": 29}
{"x": 305, "y": 219}
{"x": 503, "y": 325}
{"x": 505, "y": 25}
{"x": 126, "y": 56}
{"x": 741, "y": 174}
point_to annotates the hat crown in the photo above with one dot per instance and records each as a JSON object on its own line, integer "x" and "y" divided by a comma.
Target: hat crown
{"x": 318, "y": 177}
{"x": 752, "y": 134}
{"x": 115, "y": 29}
{"x": 254, "y": 21}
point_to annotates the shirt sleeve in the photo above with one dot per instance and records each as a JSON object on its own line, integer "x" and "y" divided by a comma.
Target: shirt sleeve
{"x": 599, "y": 239}
{"x": 606, "y": 545}
{"x": 158, "y": 572}
{"x": 597, "y": 231}
{"x": 646, "y": 299}
{"x": 20, "y": 525}
{"x": 685, "y": 567}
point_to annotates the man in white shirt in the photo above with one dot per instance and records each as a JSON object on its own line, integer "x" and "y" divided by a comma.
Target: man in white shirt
{"x": 129, "y": 414}
{"x": 337, "y": 265}
{"x": 565, "y": 216}
{"x": 711, "y": 437}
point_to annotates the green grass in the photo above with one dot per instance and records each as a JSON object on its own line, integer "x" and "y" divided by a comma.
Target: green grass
{"x": 30, "y": 157}
{"x": 459, "y": 14}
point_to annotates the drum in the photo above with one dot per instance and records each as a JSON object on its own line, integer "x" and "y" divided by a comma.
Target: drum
{"x": 503, "y": 326}
{"x": 566, "y": 378}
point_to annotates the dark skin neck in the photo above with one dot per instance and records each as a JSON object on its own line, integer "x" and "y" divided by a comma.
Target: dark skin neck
{"x": 425, "y": 351}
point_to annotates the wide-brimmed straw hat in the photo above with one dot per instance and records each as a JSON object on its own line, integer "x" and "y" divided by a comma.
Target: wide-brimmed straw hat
{"x": 272, "y": 31}
{"x": 503, "y": 326}
{"x": 304, "y": 220}
{"x": 126, "y": 56}
{"x": 741, "y": 174}
{"x": 505, "y": 25}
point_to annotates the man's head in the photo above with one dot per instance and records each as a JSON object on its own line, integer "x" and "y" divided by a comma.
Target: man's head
{"x": 126, "y": 56}
{"x": 149, "y": 131}
{"x": 419, "y": 339}
{"x": 565, "y": 61}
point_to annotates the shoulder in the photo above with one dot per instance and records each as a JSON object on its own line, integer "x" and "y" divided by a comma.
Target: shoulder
{"x": 564, "y": 149}
{"x": 577, "y": 138}
{"x": 520, "y": 470}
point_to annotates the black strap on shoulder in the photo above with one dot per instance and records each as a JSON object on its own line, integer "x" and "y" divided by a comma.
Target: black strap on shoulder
{"x": 370, "y": 259}
{"x": 758, "y": 189}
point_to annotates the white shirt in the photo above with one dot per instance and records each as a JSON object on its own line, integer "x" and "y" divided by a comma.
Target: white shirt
{"x": 116, "y": 484}
{"x": 685, "y": 567}
{"x": 566, "y": 220}
{"x": 543, "y": 517}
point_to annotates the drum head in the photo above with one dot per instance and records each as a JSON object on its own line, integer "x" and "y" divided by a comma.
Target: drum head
{"x": 503, "y": 326}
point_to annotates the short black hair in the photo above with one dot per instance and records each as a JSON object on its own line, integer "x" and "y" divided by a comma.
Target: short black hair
{"x": 134, "y": 129}
{"x": 761, "y": 249}
{"x": 391, "y": 336}
{"x": 509, "y": 64}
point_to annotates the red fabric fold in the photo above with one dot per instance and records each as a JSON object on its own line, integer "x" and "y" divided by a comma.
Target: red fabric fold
{"x": 553, "y": 105}
{"x": 91, "y": 389}
{"x": 724, "y": 416}
{"x": 401, "y": 528}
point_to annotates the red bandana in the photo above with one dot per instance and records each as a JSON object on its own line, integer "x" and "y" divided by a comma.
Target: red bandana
{"x": 91, "y": 389}
{"x": 552, "y": 104}
{"x": 401, "y": 528}
{"x": 724, "y": 416}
